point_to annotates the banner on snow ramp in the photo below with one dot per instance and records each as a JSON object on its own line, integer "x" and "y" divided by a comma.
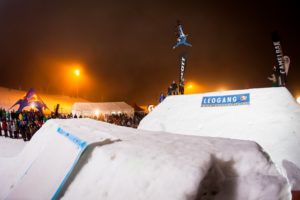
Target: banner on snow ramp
{"x": 226, "y": 100}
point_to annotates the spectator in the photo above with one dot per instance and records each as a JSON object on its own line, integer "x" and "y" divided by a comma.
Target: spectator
{"x": 14, "y": 129}
{"x": 170, "y": 90}
{"x": 161, "y": 97}
{"x": 174, "y": 88}
{"x": 9, "y": 131}
{"x": 181, "y": 87}
{"x": 20, "y": 117}
{"x": 4, "y": 127}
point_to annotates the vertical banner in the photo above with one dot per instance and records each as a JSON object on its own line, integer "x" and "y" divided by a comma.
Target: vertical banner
{"x": 280, "y": 68}
{"x": 183, "y": 59}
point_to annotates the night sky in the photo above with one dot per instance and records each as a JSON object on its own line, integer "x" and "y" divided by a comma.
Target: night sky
{"x": 124, "y": 48}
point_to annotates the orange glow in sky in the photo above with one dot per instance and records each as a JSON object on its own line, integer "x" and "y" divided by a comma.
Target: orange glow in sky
{"x": 77, "y": 72}
{"x": 193, "y": 88}
{"x": 298, "y": 99}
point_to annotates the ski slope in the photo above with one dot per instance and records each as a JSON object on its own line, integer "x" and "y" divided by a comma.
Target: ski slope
{"x": 88, "y": 159}
{"x": 271, "y": 118}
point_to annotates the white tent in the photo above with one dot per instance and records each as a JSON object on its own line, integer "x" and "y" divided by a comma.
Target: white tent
{"x": 89, "y": 109}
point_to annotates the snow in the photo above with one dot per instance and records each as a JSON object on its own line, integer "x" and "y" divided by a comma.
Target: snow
{"x": 10, "y": 147}
{"x": 126, "y": 163}
{"x": 272, "y": 119}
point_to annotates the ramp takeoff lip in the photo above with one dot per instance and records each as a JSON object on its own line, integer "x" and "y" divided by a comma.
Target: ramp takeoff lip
{"x": 82, "y": 145}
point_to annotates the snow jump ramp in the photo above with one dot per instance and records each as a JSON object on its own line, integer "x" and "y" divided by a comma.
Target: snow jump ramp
{"x": 47, "y": 162}
{"x": 88, "y": 159}
{"x": 268, "y": 116}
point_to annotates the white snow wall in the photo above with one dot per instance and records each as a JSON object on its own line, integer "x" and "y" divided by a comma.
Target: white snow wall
{"x": 272, "y": 119}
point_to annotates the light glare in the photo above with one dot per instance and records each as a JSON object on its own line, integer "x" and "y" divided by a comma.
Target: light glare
{"x": 298, "y": 99}
{"x": 77, "y": 72}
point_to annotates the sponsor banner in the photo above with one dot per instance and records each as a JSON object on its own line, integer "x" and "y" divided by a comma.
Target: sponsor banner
{"x": 280, "y": 68}
{"x": 226, "y": 100}
{"x": 182, "y": 68}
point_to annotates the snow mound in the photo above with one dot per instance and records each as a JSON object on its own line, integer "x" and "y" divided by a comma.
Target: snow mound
{"x": 125, "y": 163}
{"x": 272, "y": 119}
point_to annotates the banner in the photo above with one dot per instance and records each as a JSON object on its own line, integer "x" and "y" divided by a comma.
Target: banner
{"x": 280, "y": 68}
{"x": 226, "y": 100}
{"x": 182, "y": 65}
{"x": 181, "y": 73}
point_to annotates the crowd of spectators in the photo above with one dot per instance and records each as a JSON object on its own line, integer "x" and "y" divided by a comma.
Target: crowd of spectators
{"x": 173, "y": 89}
{"x": 125, "y": 120}
{"x": 121, "y": 119}
{"x": 20, "y": 125}
{"x": 24, "y": 124}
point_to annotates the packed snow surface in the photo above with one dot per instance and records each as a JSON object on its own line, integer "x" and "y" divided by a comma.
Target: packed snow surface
{"x": 10, "y": 147}
{"x": 125, "y": 163}
{"x": 272, "y": 119}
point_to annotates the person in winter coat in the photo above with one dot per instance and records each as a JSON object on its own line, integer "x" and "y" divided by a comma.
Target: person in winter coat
{"x": 0, "y": 128}
{"x": 3, "y": 115}
{"x": 14, "y": 129}
{"x": 181, "y": 87}
{"x": 23, "y": 130}
{"x": 4, "y": 127}
{"x": 161, "y": 97}
{"x": 170, "y": 90}
{"x": 8, "y": 116}
{"x": 174, "y": 88}
{"x": 20, "y": 117}
{"x": 9, "y": 132}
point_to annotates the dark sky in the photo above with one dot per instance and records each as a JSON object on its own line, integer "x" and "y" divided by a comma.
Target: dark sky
{"x": 124, "y": 48}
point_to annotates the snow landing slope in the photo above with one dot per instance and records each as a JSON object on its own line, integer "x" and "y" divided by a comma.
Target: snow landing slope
{"x": 88, "y": 159}
{"x": 272, "y": 119}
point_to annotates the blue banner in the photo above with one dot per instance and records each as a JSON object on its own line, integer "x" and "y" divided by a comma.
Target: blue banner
{"x": 81, "y": 143}
{"x": 226, "y": 100}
